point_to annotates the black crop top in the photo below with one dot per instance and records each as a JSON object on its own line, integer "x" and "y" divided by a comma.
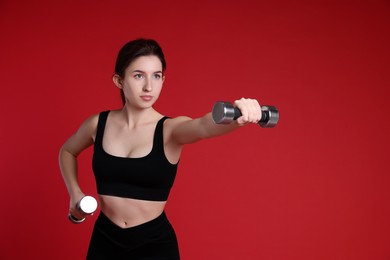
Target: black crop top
{"x": 147, "y": 178}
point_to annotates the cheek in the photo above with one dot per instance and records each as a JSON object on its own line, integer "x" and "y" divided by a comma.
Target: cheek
{"x": 160, "y": 87}
{"x": 130, "y": 84}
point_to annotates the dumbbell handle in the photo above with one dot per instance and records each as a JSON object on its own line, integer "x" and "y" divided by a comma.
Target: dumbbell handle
{"x": 224, "y": 113}
{"x": 264, "y": 115}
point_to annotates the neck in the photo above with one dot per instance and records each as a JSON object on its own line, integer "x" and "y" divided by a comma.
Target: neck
{"x": 134, "y": 116}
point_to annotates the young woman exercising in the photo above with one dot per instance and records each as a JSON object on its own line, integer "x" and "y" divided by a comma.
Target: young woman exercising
{"x": 136, "y": 154}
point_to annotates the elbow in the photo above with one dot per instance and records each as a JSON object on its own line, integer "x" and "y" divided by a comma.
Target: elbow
{"x": 64, "y": 152}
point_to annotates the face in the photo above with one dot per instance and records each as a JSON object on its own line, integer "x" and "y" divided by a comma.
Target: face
{"x": 142, "y": 82}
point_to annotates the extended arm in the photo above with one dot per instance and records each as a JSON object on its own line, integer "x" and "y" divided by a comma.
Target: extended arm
{"x": 187, "y": 130}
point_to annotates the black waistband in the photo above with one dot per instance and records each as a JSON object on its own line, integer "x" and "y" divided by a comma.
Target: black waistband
{"x": 131, "y": 234}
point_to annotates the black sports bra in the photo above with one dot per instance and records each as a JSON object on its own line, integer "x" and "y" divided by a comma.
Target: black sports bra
{"x": 147, "y": 178}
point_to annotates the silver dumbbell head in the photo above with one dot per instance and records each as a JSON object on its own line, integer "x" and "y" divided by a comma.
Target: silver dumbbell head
{"x": 87, "y": 205}
{"x": 223, "y": 113}
{"x": 272, "y": 116}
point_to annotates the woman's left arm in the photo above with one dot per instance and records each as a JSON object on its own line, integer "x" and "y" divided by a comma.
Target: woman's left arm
{"x": 186, "y": 130}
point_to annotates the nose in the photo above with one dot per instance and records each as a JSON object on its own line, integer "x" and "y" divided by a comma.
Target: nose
{"x": 148, "y": 85}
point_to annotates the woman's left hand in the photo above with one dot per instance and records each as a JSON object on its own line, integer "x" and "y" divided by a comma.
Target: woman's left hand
{"x": 250, "y": 111}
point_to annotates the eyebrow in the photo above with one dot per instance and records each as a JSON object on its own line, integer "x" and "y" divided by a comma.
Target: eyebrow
{"x": 140, "y": 71}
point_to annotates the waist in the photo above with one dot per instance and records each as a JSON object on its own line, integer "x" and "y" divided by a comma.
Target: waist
{"x": 126, "y": 212}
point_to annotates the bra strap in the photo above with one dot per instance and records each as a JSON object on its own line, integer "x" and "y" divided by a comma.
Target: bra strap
{"x": 158, "y": 141}
{"x": 100, "y": 128}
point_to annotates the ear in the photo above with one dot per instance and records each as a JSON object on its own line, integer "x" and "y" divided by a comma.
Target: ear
{"x": 117, "y": 81}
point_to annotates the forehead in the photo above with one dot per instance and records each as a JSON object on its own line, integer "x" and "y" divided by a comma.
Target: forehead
{"x": 146, "y": 63}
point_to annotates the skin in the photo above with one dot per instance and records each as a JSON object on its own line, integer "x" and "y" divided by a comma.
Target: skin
{"x": 129, "y": 133}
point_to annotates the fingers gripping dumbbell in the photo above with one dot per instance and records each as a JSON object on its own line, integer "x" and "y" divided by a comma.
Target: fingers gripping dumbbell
{"x": 86, "y": 206}
{"x": 225, "y": 112}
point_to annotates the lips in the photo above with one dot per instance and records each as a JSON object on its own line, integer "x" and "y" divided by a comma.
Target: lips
{"x": 146, "y": 97}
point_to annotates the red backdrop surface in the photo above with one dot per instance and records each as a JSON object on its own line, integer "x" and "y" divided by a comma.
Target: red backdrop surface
{"x": 314, "y": 187}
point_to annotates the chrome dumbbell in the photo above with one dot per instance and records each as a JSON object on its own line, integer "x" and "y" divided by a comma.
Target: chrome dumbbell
{"x": 225, "y": 113}
{"x": 86, "y": 206}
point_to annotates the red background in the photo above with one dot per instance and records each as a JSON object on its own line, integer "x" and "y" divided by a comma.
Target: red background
{"x": 314, "y": 187}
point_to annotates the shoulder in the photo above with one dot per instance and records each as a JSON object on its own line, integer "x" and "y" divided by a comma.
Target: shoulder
{"x": 178, "y": 127}
{"x": 83, "y": 137}
{"x": 92, "y": 120}
{"x": 171, "y": 123}
{"x": 89, "y": 125}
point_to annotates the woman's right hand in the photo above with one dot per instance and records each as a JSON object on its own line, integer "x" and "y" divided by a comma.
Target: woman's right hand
{"x": 250, "y": 111}
{"x": 73, "y": 210}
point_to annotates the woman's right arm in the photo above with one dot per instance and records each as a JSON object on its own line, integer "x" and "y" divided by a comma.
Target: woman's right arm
{"x": 79, "y": 141}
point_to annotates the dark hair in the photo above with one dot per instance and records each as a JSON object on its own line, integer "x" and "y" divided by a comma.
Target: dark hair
{"x": 133, "y": 50}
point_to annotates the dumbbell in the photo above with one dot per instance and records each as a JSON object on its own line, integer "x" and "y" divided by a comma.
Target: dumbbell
{"x": 86, "y": 206}
{"x": 225, "y": 112}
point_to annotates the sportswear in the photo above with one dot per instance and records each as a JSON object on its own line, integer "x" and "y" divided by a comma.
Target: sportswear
{"x": 147, "y": 178}
{"x": 153, "y": 240}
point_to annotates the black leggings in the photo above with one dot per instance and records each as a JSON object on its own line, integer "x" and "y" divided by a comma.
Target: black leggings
{"x": 155, "y": 240}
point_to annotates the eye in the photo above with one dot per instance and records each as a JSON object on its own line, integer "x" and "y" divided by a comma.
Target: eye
{"x": 138, "y": 76}
{"x": 157, "y": 76}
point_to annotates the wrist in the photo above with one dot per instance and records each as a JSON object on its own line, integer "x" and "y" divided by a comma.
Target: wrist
{"x": 75, "y": 192}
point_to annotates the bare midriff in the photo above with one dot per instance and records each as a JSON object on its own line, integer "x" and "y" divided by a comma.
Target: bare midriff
{"x": 126, "y": 213}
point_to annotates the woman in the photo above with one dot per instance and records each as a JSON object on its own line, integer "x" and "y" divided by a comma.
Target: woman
{"x": 136, "y": 153}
